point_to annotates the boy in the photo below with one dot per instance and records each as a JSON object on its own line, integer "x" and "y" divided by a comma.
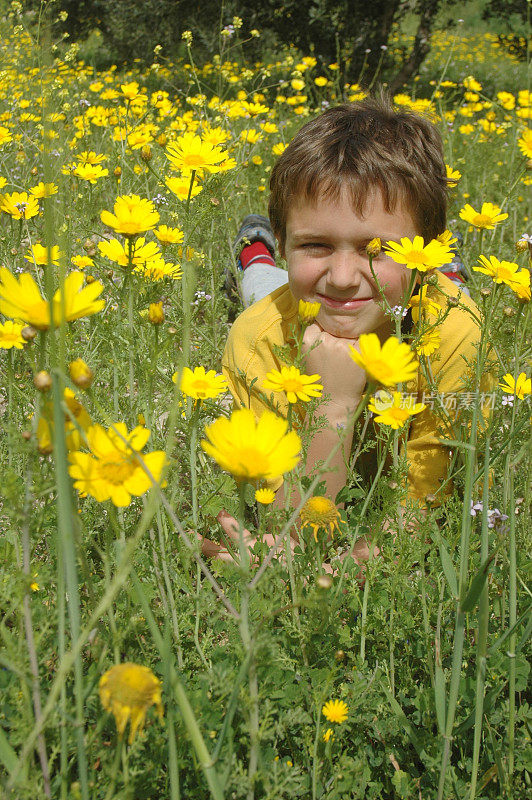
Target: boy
{"x": 354, "y": 174}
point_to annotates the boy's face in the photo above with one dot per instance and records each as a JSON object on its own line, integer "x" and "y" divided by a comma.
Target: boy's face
{"x": 325, "y": 250}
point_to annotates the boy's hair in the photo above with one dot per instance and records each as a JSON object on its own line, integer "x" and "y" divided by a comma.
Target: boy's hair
{"x": 361, "y": 145}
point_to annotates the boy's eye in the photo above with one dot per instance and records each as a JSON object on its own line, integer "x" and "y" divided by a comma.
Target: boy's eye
{"x": 314, "y": 246}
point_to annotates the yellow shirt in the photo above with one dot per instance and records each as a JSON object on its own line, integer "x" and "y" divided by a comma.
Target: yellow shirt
{"x": 250, "y": 353}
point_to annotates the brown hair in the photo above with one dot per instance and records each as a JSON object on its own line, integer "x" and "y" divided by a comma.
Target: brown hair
{"x": 361, "y": 145}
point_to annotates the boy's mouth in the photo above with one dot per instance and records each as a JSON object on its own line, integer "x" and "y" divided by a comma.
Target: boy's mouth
{"x": 347, "y": 305}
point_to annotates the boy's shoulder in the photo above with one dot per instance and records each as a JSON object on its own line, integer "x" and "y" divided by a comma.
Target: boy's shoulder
{"x": 266, "y": 322}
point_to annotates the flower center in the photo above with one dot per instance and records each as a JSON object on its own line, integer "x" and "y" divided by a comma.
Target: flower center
{"x": 200, "y": 388}
{"x": 481, "y": 220}
{"x": 253, "y": 461}
{"x": 293, "y": 385}
{"x": 381, "y": 371}
{"x": 117, "y": 472}
{"x": 417, "y": 257}
{"x": 194, "y": 160}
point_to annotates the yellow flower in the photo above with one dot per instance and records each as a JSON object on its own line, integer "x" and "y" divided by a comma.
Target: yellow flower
{"x": 168, "y": 235}
{"x": 132, "y": 216}
{"x": 190, "y": 153}
{"x": 393, "y": 409}
{"x": 335, "y": 711}
{"x": 320, "y": 512}
{"x": 142, "y": 252}
{"x": 82, "y": 261}
{"x": 81, "y": 374}
{"x": 453, "y": 176}
{"x": 5, "y": 135}
{"x": 447, "y": 238}
{"x": 90, "y": 157}
{"x": 199, "y": 384}
{"x": 156, "y": 269}
{"x": 506, "y": 272}
{"x": 389, "y": 364}
{"x": 489, "y": 216}
{"x": 20, "y": 205}
{"x": 89, "y": 172}
{"x": 423, "y": 305}
{"x": 156, "y": 313}
{"x": 296, "y": 385}
{"x": 251, "y": 450}
{"x": 10, "y": 335}
{"x": 112, "y": 469}
{"x": 265, "y": 496}
{"x": 279, "y": 148}
{"x": 39, "y": 255}
{"x": 43, "y": 190}
{"x": 308, "y": 312}
{"x": 76, "y": 420}
{"x": 130, "y": 90}
{"x": 328, "y": 735}
{"x": 429, "y": 343}
{"x": 181, "y": 187}
{"x": 418, "y": 255}
{"x": 519, "y": 387}
{"x": 21, "y": 299}
{"x": 127, "y": 691}
{"x": 525, "y": 143}
{"x": 320, "y": 81}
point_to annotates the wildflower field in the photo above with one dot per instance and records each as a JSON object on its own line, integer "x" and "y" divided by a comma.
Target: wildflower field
{"x": 133, "y": 666}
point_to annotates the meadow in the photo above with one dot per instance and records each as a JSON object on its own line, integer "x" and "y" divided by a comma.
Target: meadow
{"x": 131, "y": 665}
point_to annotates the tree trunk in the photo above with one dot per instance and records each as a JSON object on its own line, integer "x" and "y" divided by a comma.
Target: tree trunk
{"x": 420, "y": 48}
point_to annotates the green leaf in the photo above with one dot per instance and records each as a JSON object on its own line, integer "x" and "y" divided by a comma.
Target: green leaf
{"x": 8, "y": 757}
{"x": 476, "y": 586}
{"x": 448, "y": 567}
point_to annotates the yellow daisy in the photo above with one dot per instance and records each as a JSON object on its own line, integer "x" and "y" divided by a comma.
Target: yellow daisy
{"x": 389, "y": 364}
{"x": 265, "y": 496}
{"x": 507, "y": 272}
{"x": 418, "y": 255}
{"x": 519, "y": 387}
{"x": 20, "y": 205}
{"x": 489, "y": 216}
{"x": 128, "y": 690}
{"x": 39, "y": 255}
{"x": 252, "y": 450}
{"x": 392, "y": 409}
{"x": 307, "y": 311}
{"x": 296, "y": 385}
{"x": 199, "y": 384}
{"x": 132, "y": 215}
{"x": 525, "y": 143}
{"x": 10, "y": 335}
{"x": 320, "y": 512}
{"x": 335, "y": 711}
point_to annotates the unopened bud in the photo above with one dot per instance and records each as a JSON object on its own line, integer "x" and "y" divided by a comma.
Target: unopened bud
{"x": 81, "y": 374}
{"x": 162, "y": 139}
{"x": 117, "y": 172}
{"x": 508, "y": 311}
{"x": 452, "y": 302}
{"x": 89, "y": 247}
{"x": 430, "y": 499}
{"x": 26, "y": 435}
{"x": 308, "y": 311}
{"x": 145, "y": 153}
{"x": 393, "y": 485}
{"x": 28, "y": 333}
{"x": 485, "y": 292}
{"x": 89, "y": 278}
{"x": 34, "y": 171}
{"x": 42, "y": 381}
{"x": 529, "y": 163}
{"x": 521, "y": 246}
{"x": 172, "y": 331}
{"x": 339, "y": 655}
{"x": 433, "y": 280}
{"x": 374, "y": 247}
{"x": 324, "y": 581}
{"x": 156, "y": 313}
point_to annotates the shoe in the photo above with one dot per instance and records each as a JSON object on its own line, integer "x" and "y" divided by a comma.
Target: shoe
{"x": 254, "y": 228}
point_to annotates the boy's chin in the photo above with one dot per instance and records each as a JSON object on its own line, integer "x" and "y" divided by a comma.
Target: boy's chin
{"x": 343, "y": 327}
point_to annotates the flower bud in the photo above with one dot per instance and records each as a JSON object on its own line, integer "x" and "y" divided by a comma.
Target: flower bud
{"x": 156, "y": 313}
{"x": 145, "y": 153}
{"x": 117, "y": 172}
{"x": 28, "y": 333}
{"x": 485, "y": 291}
{"x": 339, "y": 655}
{"x": 521, "y": 246}
{"x": 508, "y": 311}
{"x": 26, "y": 435}
{"x": 162, "y": 139}
{"x": 89, "y": 278}
{"x": 324, "y": 581}
{"x": 453, "y": 302}
{"x": 308, "y": 311}
{"x": 42, "y": 381}
{"x": 374, "y": 247}
{"x": 89, "y": 247}
{"x": 81, "y": 374}
{"x": 430, "y": 499}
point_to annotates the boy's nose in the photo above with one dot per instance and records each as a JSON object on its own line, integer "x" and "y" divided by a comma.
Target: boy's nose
{"x": 344, "y": 271}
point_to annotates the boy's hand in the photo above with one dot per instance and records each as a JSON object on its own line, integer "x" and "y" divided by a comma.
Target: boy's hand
{"x": 342, "y": 379}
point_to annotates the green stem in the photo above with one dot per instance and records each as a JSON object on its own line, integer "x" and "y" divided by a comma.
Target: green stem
{"x": 115, "y": 767}
{"x": 483, "y": 622}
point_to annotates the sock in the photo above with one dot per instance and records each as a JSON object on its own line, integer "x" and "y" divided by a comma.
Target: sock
{"x": 256, "y": 252}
